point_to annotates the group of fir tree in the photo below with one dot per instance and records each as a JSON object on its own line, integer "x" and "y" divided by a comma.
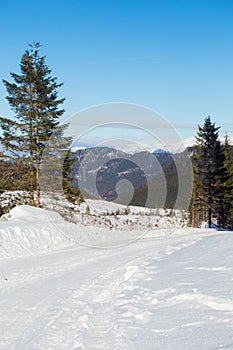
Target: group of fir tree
{"x": 212, "y": 199}
{"x": 33, "y": 97}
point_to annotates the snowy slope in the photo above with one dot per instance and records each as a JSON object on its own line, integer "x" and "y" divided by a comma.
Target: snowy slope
{"x": 167, "y": 290}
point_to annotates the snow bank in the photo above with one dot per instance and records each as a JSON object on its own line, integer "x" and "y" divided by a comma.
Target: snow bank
{"x": 26, "y": 230}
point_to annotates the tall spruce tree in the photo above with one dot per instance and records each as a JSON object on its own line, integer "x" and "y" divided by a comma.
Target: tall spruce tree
{"x": 209, "y": 167}
{"x": 228, "y": 185}
{"x": 33, "y": 96}
{"x": 222, "y": 179}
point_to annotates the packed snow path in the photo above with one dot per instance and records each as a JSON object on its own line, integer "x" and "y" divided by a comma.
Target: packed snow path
{"x": 161, "y": 292}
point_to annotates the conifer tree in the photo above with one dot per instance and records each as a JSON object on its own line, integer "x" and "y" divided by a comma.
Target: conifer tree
{"x": 228, "y": 195}
{"x": 197, "y": 207}
{"x": 56, "y": 167}
{"x": 222, "y": 179}
{"x": 33, "y": 97}
{"x": 209, "y": 163}
{"x": 71, "y": 192}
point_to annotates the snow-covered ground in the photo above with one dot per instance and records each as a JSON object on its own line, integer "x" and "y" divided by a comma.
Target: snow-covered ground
{"x": 168, "y": 289}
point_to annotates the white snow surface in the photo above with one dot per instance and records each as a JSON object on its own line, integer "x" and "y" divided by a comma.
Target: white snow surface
{"x": 168, "y": 289}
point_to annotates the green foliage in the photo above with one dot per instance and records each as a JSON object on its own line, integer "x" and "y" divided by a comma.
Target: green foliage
{"x": 228, "y": 185}
{"x": 211, "y": 177}
{"x": 56, "y": 166}
{"x": 72, "y": 193}
{"x": 33, "y": 97}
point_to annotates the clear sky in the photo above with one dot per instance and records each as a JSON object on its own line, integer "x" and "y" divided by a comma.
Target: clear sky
{"x": 173, "y": 56}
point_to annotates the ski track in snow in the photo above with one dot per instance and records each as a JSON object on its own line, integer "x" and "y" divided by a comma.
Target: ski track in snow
{"x": 160, "y": 292}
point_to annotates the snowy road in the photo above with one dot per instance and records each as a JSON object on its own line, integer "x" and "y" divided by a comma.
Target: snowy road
{"x": 169, "y": 292}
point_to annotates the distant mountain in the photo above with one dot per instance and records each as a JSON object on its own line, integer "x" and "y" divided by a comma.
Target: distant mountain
{"x": 178, "y": 147}
{"x": 160, "y": 150}
{"x": 139, "y": 179}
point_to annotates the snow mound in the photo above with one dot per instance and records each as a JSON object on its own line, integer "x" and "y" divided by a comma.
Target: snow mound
{"x": 28, "y": 230}
{"x": 28, "y": 214}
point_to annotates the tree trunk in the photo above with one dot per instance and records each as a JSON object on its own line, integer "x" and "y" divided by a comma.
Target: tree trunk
{"x": 31, "y": 160}
{"x": 37, "y": 177}
{"x": 37, "y": 156}
{"x": 209, "y": 217}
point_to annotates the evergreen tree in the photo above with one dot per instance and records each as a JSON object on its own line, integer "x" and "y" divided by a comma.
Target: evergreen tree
{"x": 72, "y": 193}
{"x": 209, "y": 167}
{"x": 221, "y": 186}
{"x": 56, "y": 167}
{"x": 33, "y": 96}
{"x": 197, "y": 207}
{"x": 228, "y": 194}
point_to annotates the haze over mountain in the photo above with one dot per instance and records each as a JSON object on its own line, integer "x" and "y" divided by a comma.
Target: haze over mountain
{"x": 137, "y": 148}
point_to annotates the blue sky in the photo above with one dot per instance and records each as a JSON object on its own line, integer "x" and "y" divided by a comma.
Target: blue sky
{"x": 175, "y": 57}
